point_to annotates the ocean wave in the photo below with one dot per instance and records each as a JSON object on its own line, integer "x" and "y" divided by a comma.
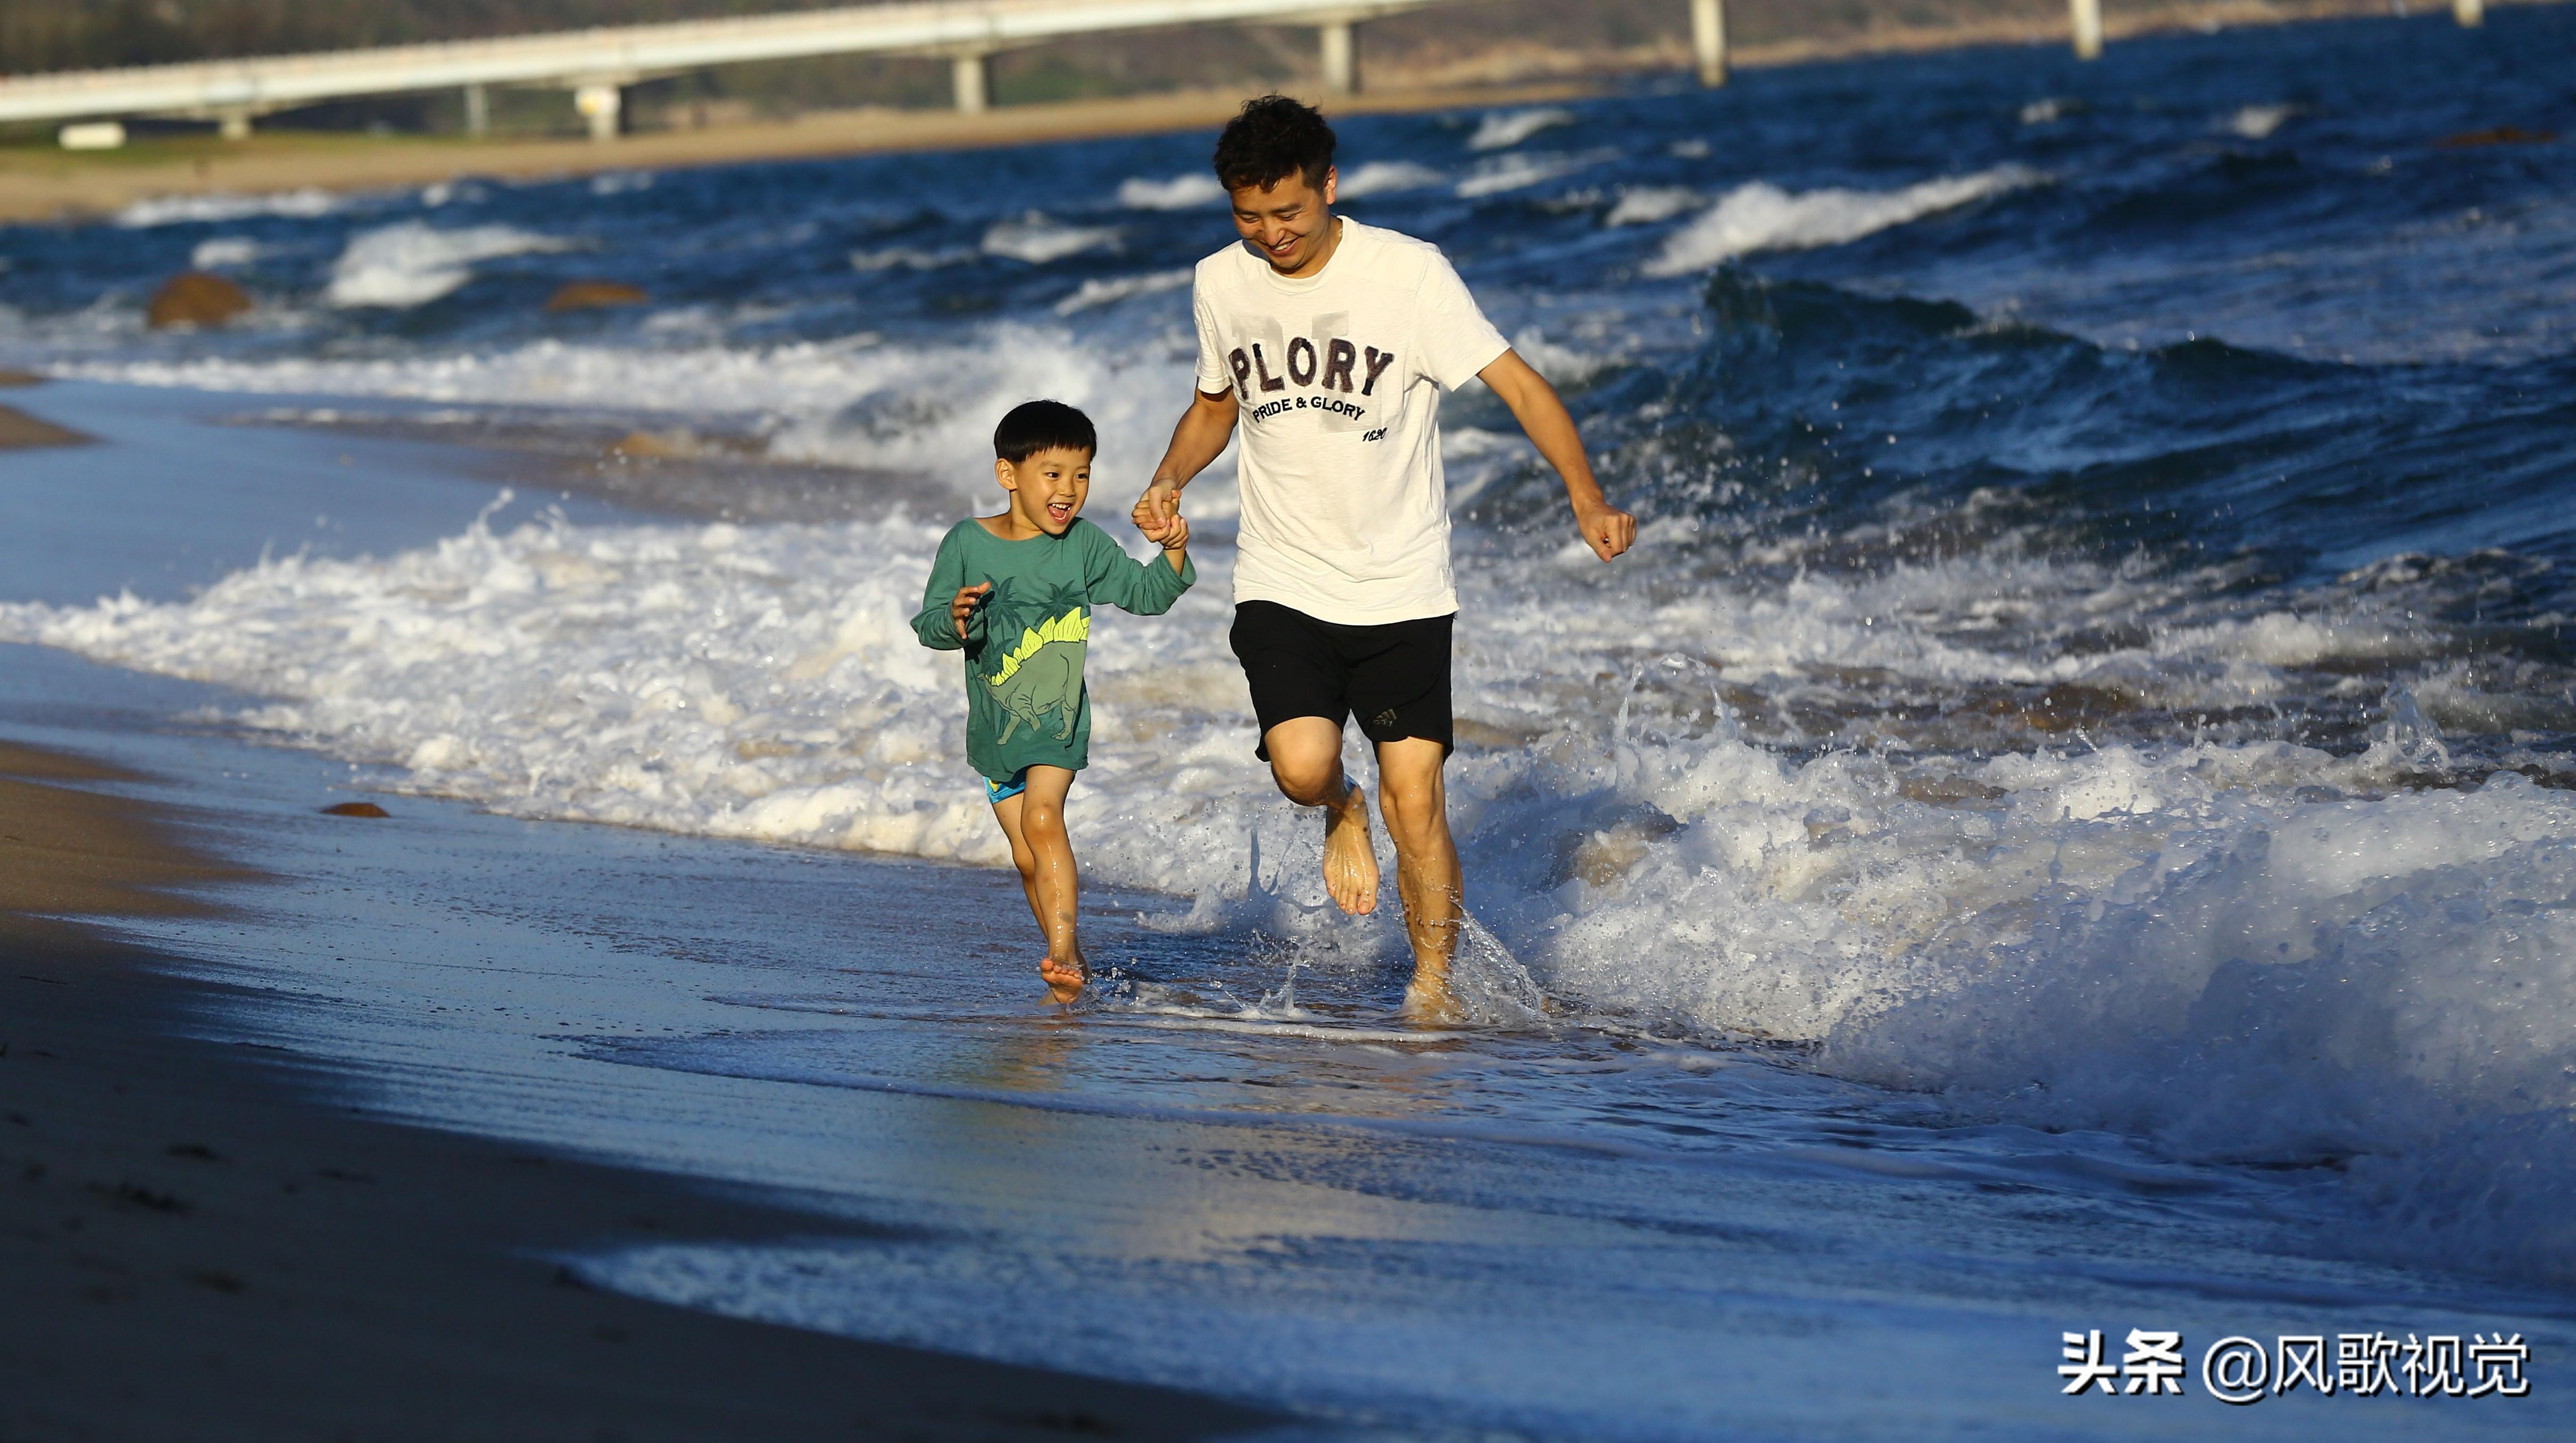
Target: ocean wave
{"x": 1503, "y": 129}
{"x": 1761, "y": 216}
{"x": 1650, "y": 204}
{"x": 912, "y": 258}
{"x": 2258, "y": 122}
{"x": 1521, "y": 170}
{"x": 302, "y": 204}
{"x": 1386, "y": 177}
{"x": 223, "y": 251}
{"x": 862, "y": 402}
{"x": 2304, "y": 958}
{"x": 1104, "y": 290}
{"x": 412, "y": 263}
{"x": 1038, "y": 239}
{"x": 1193, "y": 191}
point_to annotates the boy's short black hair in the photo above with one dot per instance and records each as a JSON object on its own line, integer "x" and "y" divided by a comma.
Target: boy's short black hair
{"x": 1035, "y": 426}
{"x": 1271, "y": 139}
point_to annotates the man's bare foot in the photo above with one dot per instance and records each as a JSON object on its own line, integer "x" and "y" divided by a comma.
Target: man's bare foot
{"x": 1428, "y": 1002}
{"x": 1350, "y": 855}
{"x": 1063, "y": 979}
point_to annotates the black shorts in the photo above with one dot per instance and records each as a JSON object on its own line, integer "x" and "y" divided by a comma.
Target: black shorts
{"x": 1394, "y": 677}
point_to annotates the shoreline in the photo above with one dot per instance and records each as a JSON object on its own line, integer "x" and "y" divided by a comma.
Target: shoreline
{"x": 198, "y": 1249}
{"x": 39, "y": 184}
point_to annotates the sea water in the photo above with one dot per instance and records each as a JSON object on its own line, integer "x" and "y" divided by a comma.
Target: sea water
{"x": 2086, "y": 722}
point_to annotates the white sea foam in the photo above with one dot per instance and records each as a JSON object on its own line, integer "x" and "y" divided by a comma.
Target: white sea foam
{"x": 2305, "y": 961}
{"x": 1521, "y": 170}
{"x": 911, "y": 258}
{"x": 1503, "y": 129}
{"x": 2257, "y": 122}
{"x": 1648, "y": 204}
{"x": 222, "y": 251}
{"x": 1386, "y": 177}
{"x": 411, "y": 263}
{"x": 186, "y": 209}
{"x": 859, "y": 401}
{"x": 1037, "y": 239}
{"x": 1104, "y": 290}
{"x": 1182, "y": 192}
{"x": 1760, "y": 216}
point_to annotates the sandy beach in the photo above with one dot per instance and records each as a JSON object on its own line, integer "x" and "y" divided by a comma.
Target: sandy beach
{"x": 192, "y": 1253}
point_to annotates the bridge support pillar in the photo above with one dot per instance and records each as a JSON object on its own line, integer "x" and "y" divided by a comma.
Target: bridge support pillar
{"x": 2471, "y": 13}
{"x": 478, "y": 110}
{"x": 599, "y": 103}
{"x": 973, "y": 72}
{"x": 233, "y": 124}
{"x": 1708, "y": 40}
{"x": 2087, "y": 18}
{"x": 1341, "y": 47}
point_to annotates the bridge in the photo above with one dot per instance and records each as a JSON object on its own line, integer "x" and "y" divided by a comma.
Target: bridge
{"x": 595, "y": 66}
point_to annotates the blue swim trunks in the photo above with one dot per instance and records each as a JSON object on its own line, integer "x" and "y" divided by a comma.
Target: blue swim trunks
{"x": 1000, "y": 792}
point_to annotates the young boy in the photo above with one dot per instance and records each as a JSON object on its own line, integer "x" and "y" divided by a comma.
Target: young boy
{"x": 1015, "y": 593}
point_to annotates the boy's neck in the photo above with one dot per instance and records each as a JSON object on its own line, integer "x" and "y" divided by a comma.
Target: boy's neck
{"x": 1012, "y": 526}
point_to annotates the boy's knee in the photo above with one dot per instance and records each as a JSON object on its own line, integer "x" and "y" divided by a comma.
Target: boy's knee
{"x": 1042, "y": 819}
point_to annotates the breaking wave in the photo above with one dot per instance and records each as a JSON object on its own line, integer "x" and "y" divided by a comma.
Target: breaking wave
{"x": 2312, "y": 962}
{"x": 1761, "y": 216}
{"x": 411, "y": 263}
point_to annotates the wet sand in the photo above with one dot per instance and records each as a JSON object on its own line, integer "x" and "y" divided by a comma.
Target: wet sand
{"x": 18, "y": 430}
{"x": 190, "y": 1252}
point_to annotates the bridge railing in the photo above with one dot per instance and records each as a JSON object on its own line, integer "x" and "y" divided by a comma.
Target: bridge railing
{"x": 595, "y": 65}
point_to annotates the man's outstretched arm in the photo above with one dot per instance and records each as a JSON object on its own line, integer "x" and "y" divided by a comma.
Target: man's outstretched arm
{"x": 1606, "y": 529}
{"x": 1198, "y": 440}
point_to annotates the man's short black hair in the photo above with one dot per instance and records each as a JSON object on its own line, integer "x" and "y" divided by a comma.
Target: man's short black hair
{"x": 1271, "y": 139}
{"x": 1035, "y": 426}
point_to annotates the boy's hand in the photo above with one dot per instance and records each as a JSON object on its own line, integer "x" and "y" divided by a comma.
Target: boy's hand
{"x": 1176, "y": 534}
{"x": 962, "y": 609}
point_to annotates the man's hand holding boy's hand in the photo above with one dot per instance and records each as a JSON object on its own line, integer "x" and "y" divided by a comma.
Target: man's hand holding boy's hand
{"x": 961, "y": 610}
{"x": 1158, "y": 508}
{"x": 1158, "y": 515}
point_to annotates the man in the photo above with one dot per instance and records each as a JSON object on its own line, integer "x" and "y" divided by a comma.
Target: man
{"x": 1330, "y": 342}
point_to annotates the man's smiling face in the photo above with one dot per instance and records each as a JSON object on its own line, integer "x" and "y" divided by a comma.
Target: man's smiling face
{"x": 1289, "y": 224}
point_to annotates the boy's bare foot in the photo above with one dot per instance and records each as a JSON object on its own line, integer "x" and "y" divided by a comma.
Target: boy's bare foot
{"x": 1428, "y": 1002}
{"x": 1350, "y": 856}
{"x": 1064, "y": 980}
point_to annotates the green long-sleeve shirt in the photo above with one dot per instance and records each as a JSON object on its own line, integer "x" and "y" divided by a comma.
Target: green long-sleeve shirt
{"x": 1025, "y": 701}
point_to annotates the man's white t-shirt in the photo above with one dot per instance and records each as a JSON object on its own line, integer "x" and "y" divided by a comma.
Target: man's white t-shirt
{"x": 1345, "y": 510}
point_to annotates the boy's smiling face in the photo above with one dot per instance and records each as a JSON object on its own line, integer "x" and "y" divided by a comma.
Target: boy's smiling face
{"x": 1047, "y": 490}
